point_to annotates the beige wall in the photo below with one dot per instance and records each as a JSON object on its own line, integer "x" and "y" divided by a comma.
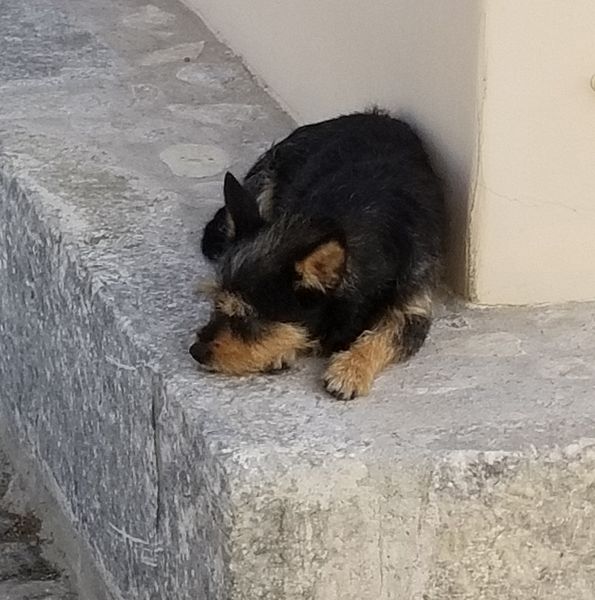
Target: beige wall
{"x": 499, "y": 88}
{"x": 533, "y": 231}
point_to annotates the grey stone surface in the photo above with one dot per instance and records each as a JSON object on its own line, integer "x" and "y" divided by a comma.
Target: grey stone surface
{"x": 466, "y": 474}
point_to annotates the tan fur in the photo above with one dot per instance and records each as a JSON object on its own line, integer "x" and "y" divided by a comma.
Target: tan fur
{"x": 323, "y": 268}
{"x": 352, "y": 372}
{"x": 207, "y": 287}
{"x": 232, "y": 305}
{"x": 280, "y": 347}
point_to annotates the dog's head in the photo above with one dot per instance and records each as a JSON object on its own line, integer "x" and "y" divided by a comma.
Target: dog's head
{"x": 274, "y": 283}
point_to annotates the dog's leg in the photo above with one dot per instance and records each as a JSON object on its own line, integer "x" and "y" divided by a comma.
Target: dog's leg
{"x": 350, "y": 373}
{"x": 417, "y": 316}
{"x": 398, "y": 335}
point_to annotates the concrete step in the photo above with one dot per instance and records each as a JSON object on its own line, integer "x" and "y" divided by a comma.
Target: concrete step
{"x": 467, "y": 474}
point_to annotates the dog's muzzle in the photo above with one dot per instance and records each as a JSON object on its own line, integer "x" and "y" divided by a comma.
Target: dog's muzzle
{"x": 200, "y": 352}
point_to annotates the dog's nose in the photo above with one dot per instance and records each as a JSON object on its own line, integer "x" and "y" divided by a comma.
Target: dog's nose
{"x": 200, "y": 352}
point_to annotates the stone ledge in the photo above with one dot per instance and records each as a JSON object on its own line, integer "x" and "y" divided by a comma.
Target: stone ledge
{"x": 446, "y": 482}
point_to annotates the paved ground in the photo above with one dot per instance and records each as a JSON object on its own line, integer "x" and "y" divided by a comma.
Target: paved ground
{"x": 24, "y": 572}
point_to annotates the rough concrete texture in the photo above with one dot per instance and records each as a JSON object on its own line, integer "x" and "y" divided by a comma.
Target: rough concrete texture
{"x": 467, "y": 474}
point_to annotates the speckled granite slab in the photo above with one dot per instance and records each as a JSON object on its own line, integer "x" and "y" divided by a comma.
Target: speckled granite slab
{"x": 466, "y": 474}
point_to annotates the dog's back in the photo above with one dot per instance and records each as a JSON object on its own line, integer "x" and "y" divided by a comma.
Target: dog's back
{"x": 370, "y": 174}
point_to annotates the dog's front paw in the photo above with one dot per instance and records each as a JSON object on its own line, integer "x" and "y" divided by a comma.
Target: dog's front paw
{"x": 347, "y": 376}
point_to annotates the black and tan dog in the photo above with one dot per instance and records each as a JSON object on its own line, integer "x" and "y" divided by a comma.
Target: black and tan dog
{"x": 332, "y": 242}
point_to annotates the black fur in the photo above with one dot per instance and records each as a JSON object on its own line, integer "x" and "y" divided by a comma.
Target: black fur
{"x": 363, "y": 180}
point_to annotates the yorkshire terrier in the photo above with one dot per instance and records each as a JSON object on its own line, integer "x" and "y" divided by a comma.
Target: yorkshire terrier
{"x": 332, "y": 242}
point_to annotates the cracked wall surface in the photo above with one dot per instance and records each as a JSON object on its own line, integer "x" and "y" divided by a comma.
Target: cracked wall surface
{"x": 534, "y": 214}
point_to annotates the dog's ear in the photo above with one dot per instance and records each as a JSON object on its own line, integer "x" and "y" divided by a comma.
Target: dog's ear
{"x": 242, "y": 208}
{"x": 217, "y": 235}
{"x": 323, "y": 266}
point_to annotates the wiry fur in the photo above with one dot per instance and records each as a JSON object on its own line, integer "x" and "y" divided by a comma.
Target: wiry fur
{"x": 337, "y": 231}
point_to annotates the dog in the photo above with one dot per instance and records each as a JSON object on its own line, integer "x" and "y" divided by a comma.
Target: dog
{"x": 333, "y": 243}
